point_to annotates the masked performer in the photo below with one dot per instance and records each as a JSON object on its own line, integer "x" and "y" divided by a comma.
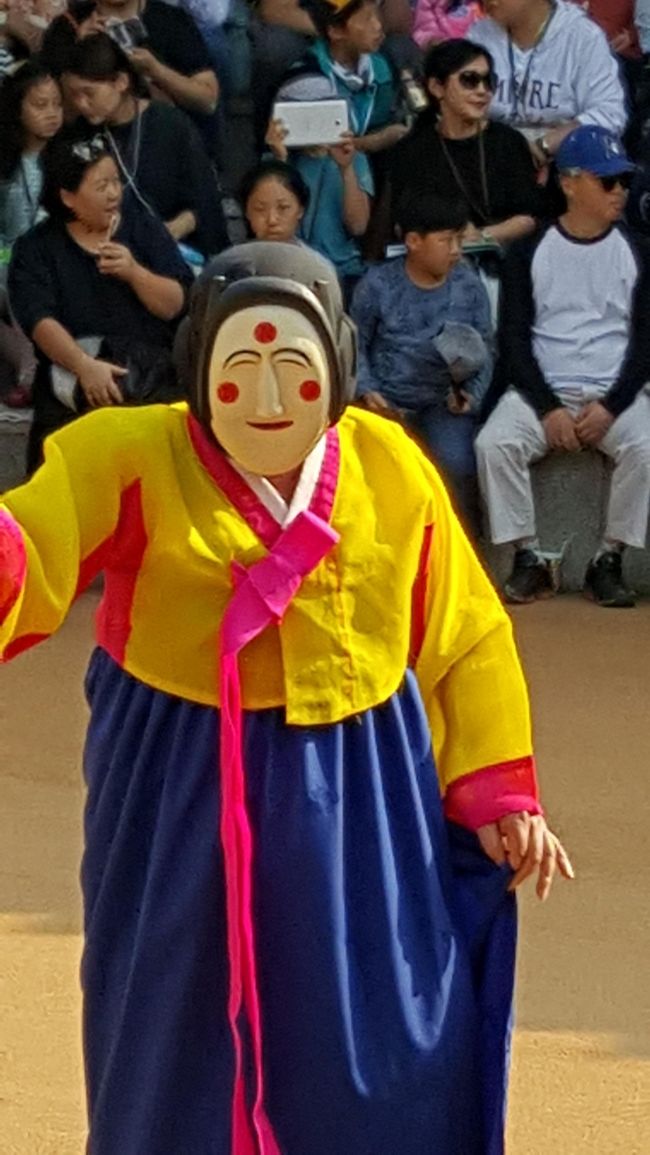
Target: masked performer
{"x": 289, "y": 949}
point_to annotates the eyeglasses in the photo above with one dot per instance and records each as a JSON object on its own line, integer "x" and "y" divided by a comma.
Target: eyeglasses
{"x": 609, "y": 183}
{"x": 471, "y": 80}
{"x": 89, "y": 150}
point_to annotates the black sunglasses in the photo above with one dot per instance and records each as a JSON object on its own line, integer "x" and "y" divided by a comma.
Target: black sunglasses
{"x": 471, "y": 80}
{"x": 609, "y": 183}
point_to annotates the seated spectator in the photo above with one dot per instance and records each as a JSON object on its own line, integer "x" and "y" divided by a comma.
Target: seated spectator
{"x": 9, "y": 51}
{"x": 31, "y": 113}
{"x": 455, "y": 151}
{"x": 575, "y": 353}
{"x": 94, "y": 271}
{"x": 23, "y": 28}
{"x": 339, "y": 185}
{"x": 616, "y": 18}
{"x": 160, "y": 155}
{"x": 437, "y": 20}
{"x": 345, "y": 63}
{"x": 423, "y": 322}
{"x": 554, "y": 71}
{"x": 274, "y": 198}
{"x": 287, "y": 14}
{"x": 642, "y": 24}
{"x": 164, "y": 46}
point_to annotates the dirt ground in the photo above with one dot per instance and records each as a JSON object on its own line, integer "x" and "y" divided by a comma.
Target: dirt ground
{"x": 581, "y": 1078}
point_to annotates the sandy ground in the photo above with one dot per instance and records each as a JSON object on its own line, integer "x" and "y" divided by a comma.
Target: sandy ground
{"x": 581, "y": 1078}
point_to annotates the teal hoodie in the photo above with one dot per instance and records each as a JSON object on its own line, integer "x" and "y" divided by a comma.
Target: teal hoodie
{"x": 372, "y": 105}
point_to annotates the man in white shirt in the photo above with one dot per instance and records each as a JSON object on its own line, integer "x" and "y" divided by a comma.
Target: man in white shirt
{"x": 575, "y": 361}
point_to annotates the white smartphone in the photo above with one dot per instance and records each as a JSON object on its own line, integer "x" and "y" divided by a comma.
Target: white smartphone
{"x": 312, "y": 122}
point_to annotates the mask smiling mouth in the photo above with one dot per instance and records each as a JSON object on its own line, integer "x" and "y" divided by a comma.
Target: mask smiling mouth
{"x": 270, "y": 424}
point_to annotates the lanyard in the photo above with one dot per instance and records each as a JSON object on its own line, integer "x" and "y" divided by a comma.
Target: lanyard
{"x": 519, "y": 90}
{"x": 33, "y": 204}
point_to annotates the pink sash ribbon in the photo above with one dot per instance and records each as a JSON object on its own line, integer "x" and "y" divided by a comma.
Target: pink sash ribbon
{"x": 262, "y": 594}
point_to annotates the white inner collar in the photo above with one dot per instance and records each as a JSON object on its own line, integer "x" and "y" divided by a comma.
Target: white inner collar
{"x": 282, "y": 512}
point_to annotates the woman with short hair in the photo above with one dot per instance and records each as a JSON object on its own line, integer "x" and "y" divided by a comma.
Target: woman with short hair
{"x": 98, "y": 271}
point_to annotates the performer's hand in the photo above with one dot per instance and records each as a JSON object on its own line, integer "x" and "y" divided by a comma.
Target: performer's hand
{"x": 525, "y": 842}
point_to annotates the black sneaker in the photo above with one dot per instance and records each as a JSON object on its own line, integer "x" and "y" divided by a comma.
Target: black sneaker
{"x": 604, "y": 582}
{"x": 530, "y": 579}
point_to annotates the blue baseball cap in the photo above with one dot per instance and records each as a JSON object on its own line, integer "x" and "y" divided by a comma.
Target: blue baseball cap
{"x": 591, "y": 148}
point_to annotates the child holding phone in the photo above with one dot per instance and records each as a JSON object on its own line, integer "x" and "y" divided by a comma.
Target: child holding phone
{"x": 340, "y": 195}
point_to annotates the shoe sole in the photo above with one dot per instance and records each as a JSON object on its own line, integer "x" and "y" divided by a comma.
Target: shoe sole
{"x": 542, "y": 596}
{"x": 628, "y": 604}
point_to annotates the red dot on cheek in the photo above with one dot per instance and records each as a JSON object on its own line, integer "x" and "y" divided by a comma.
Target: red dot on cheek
{"x": 310, "y": 390}
{"x": 265, "y": 332}
{"x": 228, "y": 392}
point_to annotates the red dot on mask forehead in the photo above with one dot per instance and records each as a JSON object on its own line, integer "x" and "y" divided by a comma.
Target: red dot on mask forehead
{"x": 310, "y": 390}
{"x": 265, "y": 332}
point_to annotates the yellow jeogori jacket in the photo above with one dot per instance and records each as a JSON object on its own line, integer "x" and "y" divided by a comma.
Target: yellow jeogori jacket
{"x": 123, "y": 490}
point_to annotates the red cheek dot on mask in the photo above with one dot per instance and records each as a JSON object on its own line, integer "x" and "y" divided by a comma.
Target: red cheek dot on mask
{"x": 310, "y": 390}
{"x": 265, "y": 332}
{"x": 228, "y": 392}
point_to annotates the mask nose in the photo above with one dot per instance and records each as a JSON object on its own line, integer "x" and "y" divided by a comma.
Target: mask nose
{"x": 269, "y": 400}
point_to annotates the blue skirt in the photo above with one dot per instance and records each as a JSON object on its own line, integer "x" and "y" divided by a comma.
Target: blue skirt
{"x": 385, "y": 938}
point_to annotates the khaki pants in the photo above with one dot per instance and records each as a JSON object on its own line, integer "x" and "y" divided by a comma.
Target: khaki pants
{"x": 513, "y": 438}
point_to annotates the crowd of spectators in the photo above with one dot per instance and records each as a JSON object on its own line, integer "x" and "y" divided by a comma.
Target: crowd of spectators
{"x": 475, "y": 205}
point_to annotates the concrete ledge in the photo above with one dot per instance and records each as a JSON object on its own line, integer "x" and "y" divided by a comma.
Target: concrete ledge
{"x": 571, "y": 493}
{"x": 14, "y": 428}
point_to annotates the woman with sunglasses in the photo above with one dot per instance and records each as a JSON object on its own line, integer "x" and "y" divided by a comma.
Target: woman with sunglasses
{"x": 555, "y": 70}
{"x": 457, "y": 152}
{"x": 95, "y": 275}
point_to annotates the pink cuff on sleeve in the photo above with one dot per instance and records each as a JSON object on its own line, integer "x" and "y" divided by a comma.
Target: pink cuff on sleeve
{"x": 489, "y": 794}
{"x": 13, "y": 563}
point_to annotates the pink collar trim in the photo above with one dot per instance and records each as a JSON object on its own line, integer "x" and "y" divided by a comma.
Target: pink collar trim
{"x": 245, "y": 501}
{"x": 262, "y": 594}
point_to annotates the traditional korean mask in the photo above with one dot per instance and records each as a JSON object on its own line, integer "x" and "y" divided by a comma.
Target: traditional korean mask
{"x": 269, "y": 388}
